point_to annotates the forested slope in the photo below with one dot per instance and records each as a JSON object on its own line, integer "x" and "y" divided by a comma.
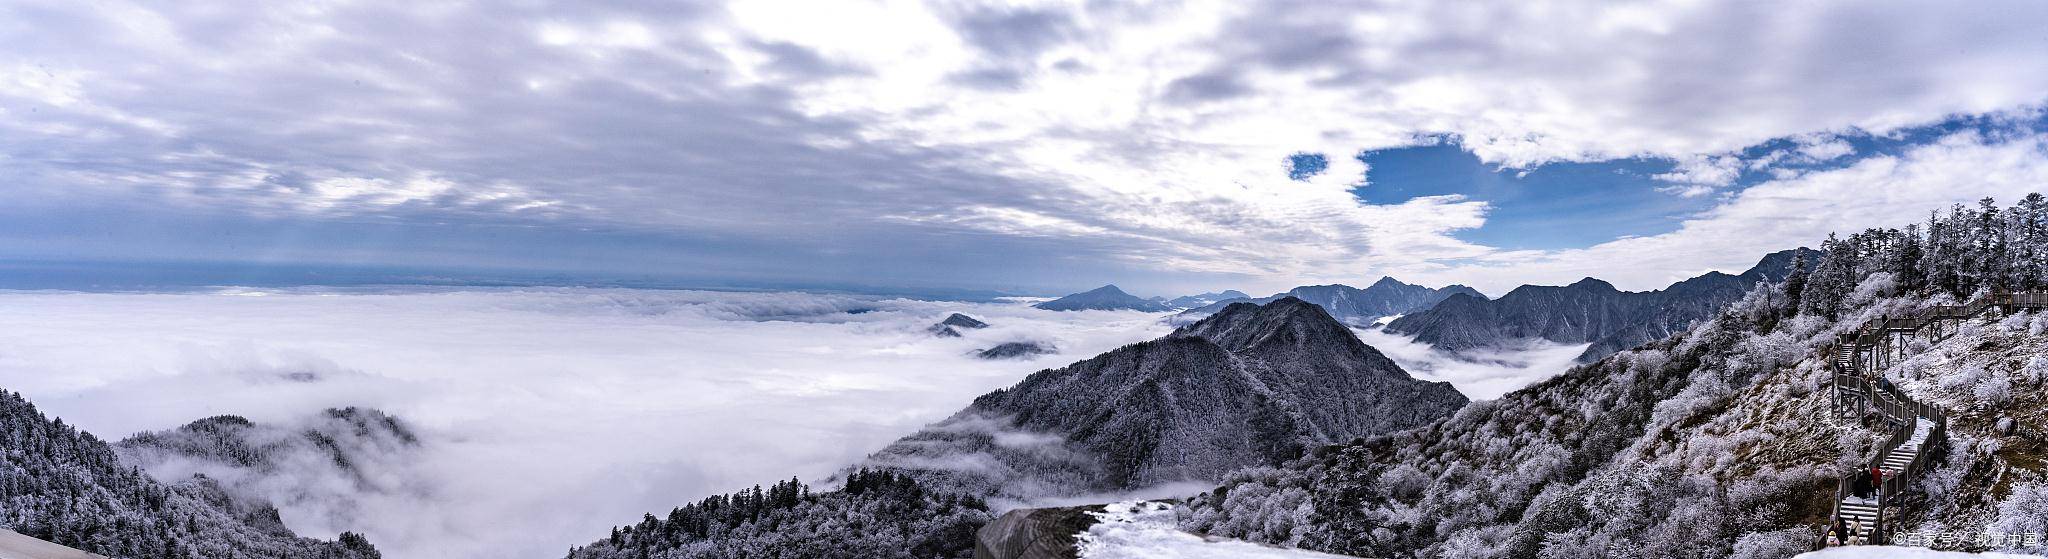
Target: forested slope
{"x": 1715, "y": 443}
{"x": 66, "y": 486}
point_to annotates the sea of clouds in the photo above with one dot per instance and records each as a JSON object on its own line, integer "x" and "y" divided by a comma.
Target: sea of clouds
{"x": 1481, "y": 374}
{"x": 546, "y": 416}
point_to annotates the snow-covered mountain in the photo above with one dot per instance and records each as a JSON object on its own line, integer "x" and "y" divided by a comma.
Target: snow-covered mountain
{"x": 1105, "y": 298}
{"x": 69, "y": 487}
{"x": 1589, "y": 311}
{"x": 1718, "y": 442}
{"x": 319, "y": 467}
{"x": 1351, "y": 305}
{"x": 1251, "y": 385}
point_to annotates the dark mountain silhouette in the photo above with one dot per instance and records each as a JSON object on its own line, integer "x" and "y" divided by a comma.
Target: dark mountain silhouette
{"x": 1589, "y": 311}
{"x": 1250, "y": 385}
{"x": 1105, "y": 298}
{"x": 1016, "y": 350}
{"x": 1351, "y": 305}
{"x": 950, "y": 327}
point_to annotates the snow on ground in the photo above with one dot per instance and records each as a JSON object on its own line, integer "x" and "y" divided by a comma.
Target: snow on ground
{"x": 1146, "y": 530}
{"x": 1896, "y": 552}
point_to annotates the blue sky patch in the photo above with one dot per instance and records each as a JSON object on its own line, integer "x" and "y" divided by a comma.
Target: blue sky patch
{"x": 1558, "y": 205}
{"x": 1303, "y": 165}
{"x": 1577, "y": 204}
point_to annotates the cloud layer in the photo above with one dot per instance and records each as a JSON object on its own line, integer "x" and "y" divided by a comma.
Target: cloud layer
{"x": 977, "y": 143}
{"x": 1480, "y": 375}
{"x": 545, "y": 416}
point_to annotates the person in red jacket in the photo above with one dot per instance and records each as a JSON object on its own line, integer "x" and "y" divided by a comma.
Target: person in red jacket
{"x": 1877, "y": 479}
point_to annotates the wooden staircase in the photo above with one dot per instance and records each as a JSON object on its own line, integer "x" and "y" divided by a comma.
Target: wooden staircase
{"x": 1857, "y": 360}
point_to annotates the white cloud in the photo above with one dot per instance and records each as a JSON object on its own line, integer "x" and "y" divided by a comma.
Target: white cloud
{"x": 1699, "y": 175}
{"x": 1822, "y": 150}
{"x": 1140, "y": 135}
{"x": 1881, "y": 191}
{"x": 1481, "y": 374}
{"x": 547, "y": 416}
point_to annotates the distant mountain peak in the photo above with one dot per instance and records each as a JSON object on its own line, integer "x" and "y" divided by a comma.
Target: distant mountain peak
{"x": 1251, "y": 385}
{"x": 1105, "y": 298}
{"x": 1243, "y": 325}
{"x": 1593, "y": 283}
{"x": 963, "y": 321}
{"x": 1389, "y": 281}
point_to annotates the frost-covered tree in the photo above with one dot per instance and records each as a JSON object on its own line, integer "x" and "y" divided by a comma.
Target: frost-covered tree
{"x": 67, "y": 486}
{"x": 877, "y": 514}
{"x": 1708, "y": 444}
{"x": 1796, "y": 278}
{"x": 1959, "y": 253}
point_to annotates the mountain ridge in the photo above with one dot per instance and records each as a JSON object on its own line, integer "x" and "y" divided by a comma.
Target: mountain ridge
{"x": 1351, "y": 305}
{"x": 1588, "y": 311}
{"x": 1251, "y": 385}
{"x": 68, "y": 487}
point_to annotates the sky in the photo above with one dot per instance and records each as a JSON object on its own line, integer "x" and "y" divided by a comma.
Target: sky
{"x": 1028, "y": 147}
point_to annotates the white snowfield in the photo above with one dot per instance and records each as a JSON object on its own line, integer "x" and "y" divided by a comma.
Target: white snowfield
{"x": 1896, "y": 552}
{"x": 14, "y": 545}
{"x": 1146, "y": 530}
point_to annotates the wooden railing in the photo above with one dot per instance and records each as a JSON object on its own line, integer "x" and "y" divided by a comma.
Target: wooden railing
{"x": 1857, "y": 358}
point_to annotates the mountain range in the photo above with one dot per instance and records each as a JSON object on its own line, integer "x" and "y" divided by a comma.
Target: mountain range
{"x": 1589, "y": 311}
{"x": 1351, "y": 305}
{"x": 1723, "y": 440}
{"x": 1250, "y": 385}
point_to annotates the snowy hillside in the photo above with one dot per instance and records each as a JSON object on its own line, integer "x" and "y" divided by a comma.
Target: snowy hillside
{"x": 68, "y": 487}
{"x": 1146, "y": 530}
{"x": 1718, "y": 442}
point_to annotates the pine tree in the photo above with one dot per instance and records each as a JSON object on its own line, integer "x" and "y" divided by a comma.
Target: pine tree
{"x": 1988, "y": 248}
{"x": 1795, "y": 282}
{"x": 2029, "y": 220}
